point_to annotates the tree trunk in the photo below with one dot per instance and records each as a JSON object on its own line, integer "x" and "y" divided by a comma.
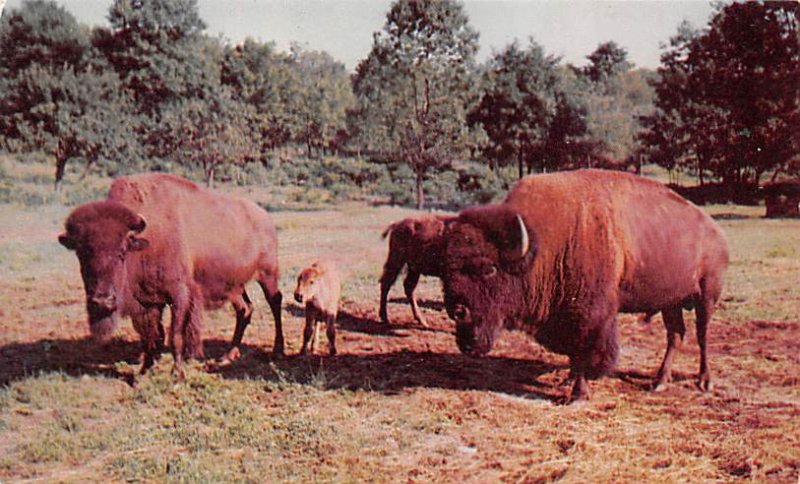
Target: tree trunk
{"x": 520, "y": 165}
{"x": 210, "y": 176}
{"x": 86, "y": 169}
{"x": 420, "y": 192}
{"x": 61, "y": 164}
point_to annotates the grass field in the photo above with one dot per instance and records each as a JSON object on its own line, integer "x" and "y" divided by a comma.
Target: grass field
{"x": 393, "y": 406}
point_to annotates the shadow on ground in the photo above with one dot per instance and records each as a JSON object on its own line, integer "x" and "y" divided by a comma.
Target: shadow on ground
{"x": 423, "y": 303}
{"x": 391, "y": 373}
{"x": 388, "y": 373}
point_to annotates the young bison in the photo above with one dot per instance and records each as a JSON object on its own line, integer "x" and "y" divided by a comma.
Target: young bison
{"x": 565, "y": 252}
{"x": 318, "y": 287}
{"x": 419, "y": 244}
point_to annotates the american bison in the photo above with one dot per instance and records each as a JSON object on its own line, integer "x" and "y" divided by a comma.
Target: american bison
{"x": 564, "y": 253}
{"x": 319, "y": 287}
{"x": 418, "y": 244}
{"x": 159, "y": 240}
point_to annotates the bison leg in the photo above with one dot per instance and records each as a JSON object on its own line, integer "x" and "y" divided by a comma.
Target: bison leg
{"x": 410, "y": 284}
{"x": 269, "y": 284}
{"x": 391, "y": 269}
{"x": 596, "y": 356}
{"x": 309, "y": 331}
{"x": 185, "y": 331}
{"x": 580, "y": 389}
{"x": 330, "y": 331}
{"x": 676, "y": 330}
{"x": 151, "y": 331}
{"x": 244, "y": 310}
{"x": 711, "y": 290}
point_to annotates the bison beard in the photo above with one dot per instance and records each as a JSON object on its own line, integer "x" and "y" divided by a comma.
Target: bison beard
{"x": 102, "y": 324}
{"x": 600, "y": 243}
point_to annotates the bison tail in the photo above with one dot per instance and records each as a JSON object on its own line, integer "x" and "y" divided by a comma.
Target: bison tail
{"x": 602, "y": 356}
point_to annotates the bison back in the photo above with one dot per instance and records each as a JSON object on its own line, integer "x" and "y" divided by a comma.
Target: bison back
{"x": 616, "y": 235}
{"x": 220, "y": 240}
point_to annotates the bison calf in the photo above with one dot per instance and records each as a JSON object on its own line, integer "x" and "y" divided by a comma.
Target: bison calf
{"x": 417, "y": 243}
{"x": 319, "y": 287}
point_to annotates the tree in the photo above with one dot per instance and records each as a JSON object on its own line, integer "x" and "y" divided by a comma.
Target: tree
{"x": 57, "y": 94}
{"x": 527, "y": 115}
{"x": 412, "y": 89}
{"x": 153, "y": 46}
{"x": 77, "y": 115}
{"x": 324, "y": 96}
{"x": 211, "y": 133}
{"x": 731, "y": 93}
{"x": 264, "y": 79}
{"x": 615, "y": 96}
{"x": 42, "y": 34}
{"x": 608, "y": 60}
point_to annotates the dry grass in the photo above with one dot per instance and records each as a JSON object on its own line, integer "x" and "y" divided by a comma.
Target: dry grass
{"x": 393, "y": 406}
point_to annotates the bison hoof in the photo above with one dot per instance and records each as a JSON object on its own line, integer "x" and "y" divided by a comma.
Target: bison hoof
{"x": 232, "y": 355}
{"x": 660, "y": 383}
{"x": 333, "y": 351}
{"x": 580, "y": 391}
{"x": 178, "y": 374}
{"x": 658, "y": 387}
{"x": 704, "y": 384}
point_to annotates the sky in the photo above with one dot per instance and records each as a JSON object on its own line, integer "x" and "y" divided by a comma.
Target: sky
{"x": 571, "y": 29}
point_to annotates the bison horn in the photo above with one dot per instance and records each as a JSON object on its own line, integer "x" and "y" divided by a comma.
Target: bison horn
{"x": 139, "y": 224}
{"x": 525, "y": 242}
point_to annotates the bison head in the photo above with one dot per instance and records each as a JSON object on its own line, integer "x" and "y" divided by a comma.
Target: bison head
{"x": 488, "y": 252}
{"x": 102, "y": 234}
{"x": 307, "y": 287}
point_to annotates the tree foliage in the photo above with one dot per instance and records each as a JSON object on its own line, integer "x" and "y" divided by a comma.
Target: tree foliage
{"x": 152, "y": 45}
{"x": 58, "y": 97}
{"x": 324, "y": 97}
{"x": 728, "y": 97}
{"x": 607, "y": 60}
{"x": 38, "y": 35}
{"x": 527, "y": 113}
{"x": 412, "y": 89}
{"x": 263, "y": 78}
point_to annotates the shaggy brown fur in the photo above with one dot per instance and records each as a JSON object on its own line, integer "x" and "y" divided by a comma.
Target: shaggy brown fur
{"x": 161, "y": 240}
{"x": 417, "y": 243}
{"x": 319, "y": 288}
{"x": 600, "y": 243}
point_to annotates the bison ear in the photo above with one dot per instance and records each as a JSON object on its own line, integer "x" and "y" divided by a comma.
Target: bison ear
{"x": 67, "y": 241}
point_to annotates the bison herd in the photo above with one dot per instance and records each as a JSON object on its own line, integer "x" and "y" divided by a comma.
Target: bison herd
{"x": 559, "y": 258}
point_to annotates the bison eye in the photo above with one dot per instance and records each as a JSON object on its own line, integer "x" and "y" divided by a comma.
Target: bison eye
{"x": 488, "y": 271}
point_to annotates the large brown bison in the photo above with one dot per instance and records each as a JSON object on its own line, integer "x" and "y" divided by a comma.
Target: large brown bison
{"x": 159, "y": 240}
{"x": 417, "y": 243}
{"x": 564, "y": 253}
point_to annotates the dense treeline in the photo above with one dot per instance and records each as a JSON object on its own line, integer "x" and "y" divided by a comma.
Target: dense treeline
{"x": 153, "y": 91}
